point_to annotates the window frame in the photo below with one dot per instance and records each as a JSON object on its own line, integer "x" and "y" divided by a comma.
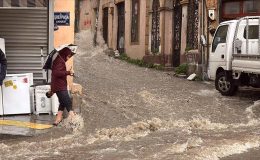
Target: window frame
{"x": 213, "y": 48}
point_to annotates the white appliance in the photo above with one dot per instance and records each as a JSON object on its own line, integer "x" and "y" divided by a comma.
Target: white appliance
{"x": 2, "y": 44}
{"x": 15, "y": 94}
{"x": 43, "y": 104}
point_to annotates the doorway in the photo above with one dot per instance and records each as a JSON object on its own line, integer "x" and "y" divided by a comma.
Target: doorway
{"x": 105, "y": 24}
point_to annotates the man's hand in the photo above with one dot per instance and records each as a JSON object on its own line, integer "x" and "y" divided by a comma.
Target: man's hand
{"x": 71, "y": 73}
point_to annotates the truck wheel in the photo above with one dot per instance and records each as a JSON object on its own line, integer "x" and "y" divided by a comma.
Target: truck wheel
{"x": 225, "y": 85}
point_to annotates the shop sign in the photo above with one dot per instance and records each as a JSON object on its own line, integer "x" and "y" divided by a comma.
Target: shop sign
{"x": 62, "y": 18}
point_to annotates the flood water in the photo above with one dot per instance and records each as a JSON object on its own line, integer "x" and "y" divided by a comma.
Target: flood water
{"x": 137, "y": 113}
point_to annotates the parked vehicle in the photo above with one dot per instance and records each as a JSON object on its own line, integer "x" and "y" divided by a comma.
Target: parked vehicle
{"x": 234, "y": 58}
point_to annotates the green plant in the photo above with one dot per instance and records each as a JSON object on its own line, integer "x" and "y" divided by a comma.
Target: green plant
{"x": 139, "y": 62}
{"x": 188, "y": 48}
{"x": 182, "y": 69}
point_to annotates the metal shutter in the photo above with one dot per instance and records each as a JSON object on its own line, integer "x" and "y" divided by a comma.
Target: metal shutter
{"x": 25, "y": 31}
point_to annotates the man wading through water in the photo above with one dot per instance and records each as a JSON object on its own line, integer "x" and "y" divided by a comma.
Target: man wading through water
{"x": 59, "y": 83}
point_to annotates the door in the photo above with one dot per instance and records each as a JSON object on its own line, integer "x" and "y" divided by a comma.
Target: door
{"x": 121, "y": 28}
{"x": 217, "y": 55}
{"x": 105, "y": 24}
{"x": 177, "y": 19}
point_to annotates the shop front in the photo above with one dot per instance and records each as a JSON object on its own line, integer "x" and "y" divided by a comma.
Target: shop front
{"x": 28, "y": 38}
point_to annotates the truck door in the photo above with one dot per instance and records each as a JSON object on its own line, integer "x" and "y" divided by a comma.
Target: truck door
{"x": 218, "y": 51}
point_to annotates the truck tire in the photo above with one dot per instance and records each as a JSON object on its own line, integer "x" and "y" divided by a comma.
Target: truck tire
{"x": 225, "y": 85}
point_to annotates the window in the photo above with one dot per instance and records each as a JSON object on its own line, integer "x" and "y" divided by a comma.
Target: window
{"x": 220, "y": 37}
{"x": 253, "y": 32}
{"x": 232, "y": 8}
{"x": 251, "y": 6}
{"x": 135, "y": 21}
{"x": 31, "y": 3}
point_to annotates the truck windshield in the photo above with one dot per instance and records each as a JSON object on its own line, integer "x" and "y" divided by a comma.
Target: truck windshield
{"x": 220, "y": 36}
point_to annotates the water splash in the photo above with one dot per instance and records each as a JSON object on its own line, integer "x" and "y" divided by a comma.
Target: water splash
{"x": 86, "y": 49}
{"x": 133, "y": 131}
{"x": 74, "y": 124}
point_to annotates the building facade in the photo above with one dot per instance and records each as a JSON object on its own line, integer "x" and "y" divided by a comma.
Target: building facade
{"x": 162, "y": 31}
{"x": 28, "y": 29}
{"x": 152, "y": 30}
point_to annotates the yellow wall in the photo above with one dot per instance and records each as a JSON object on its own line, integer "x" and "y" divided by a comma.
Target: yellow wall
{"x": 65, "y": 34}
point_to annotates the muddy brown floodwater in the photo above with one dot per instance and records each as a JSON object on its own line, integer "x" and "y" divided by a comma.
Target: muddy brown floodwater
{"x": 135, "y": 113}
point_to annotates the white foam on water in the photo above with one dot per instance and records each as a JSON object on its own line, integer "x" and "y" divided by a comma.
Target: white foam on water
{"x": 104, "y": 151}
{"x": 152, "y": 99}
{"x": 133, "y": 131}
{"x": 74, "y": 124}
{"x": 250, "y": 110}
{"x": 40, "y": 148}
{"x": 226, "y": 148}
{"x": 195, "y": 123}
{"x": 204, "y": 92}
{"x": 179, "y": 148}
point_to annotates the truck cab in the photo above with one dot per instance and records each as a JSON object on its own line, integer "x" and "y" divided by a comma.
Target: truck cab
{"x": 234, "y": 58}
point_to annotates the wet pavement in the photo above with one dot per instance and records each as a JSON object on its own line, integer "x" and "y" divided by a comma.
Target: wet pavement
{"x": 137, "y": 113}
{"x": 17, "y": 129}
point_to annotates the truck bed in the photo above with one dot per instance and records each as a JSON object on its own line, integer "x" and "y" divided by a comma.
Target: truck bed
{"x": 246, "y": 63}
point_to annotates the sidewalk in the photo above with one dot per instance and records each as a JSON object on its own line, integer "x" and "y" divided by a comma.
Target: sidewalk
{"x": 25, "y": 124}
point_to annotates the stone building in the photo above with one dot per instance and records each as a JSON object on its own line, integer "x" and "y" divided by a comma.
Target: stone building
{"x": 162, "y": 31}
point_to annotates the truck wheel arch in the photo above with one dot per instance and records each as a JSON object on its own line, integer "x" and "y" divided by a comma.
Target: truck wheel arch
{"x": 224, "y": 83}
{"x": 220, "y": 69}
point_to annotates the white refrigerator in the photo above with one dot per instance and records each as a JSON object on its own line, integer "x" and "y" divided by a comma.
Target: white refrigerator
{"x": 15, "y": 94}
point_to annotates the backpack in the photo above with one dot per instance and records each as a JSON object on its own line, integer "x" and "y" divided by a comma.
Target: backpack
{"x": 48, "y": 63}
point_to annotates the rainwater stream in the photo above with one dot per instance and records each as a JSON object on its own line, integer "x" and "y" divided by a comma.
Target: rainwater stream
{"x": 135, "y": 113}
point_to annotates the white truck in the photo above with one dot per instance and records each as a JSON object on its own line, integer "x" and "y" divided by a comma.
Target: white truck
{"x": 234, "y": 58}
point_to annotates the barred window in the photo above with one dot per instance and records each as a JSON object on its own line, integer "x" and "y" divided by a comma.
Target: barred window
{"x": 135, "y": 21}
